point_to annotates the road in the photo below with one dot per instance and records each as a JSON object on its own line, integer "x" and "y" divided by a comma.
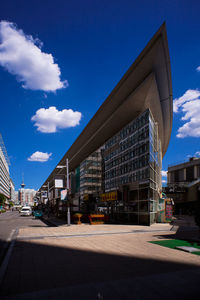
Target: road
{"x": 84, "y": 262}
{"x": 9, "y": 222}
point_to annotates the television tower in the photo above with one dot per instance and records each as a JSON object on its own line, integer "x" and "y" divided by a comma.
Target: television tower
{"x": 22, "y": 184}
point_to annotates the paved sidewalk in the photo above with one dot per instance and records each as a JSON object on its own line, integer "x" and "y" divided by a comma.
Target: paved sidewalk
{"x": 87, "y": 230}
{"x": 98, "y": 262}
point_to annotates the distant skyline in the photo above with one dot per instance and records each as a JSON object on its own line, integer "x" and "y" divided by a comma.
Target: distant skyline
{"x": 60, "y": 60}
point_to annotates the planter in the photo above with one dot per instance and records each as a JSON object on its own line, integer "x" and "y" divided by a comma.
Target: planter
{"x": 96, "y": 219}
{"x": 77, "y": 218}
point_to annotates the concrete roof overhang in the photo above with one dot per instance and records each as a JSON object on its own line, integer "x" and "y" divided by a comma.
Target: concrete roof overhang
{"x": 146, "y": 84}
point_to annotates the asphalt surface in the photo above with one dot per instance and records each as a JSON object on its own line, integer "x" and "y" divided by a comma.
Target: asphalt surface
{"x": 11, "y": 221}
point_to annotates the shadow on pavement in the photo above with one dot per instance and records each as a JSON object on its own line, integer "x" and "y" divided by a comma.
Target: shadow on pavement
{"x": 189, "y": 235}
{"x": 48, "y": 223}
{"x": 42, "y": 271}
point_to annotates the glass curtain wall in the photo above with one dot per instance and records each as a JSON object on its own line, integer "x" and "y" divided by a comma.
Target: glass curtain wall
{"x": 128, "y": 164}
{"x": 132, "y": 161}
{"x": 91, "y": 175}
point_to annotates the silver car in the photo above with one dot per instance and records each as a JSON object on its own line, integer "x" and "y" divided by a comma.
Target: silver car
{"x": 26, "y": 211}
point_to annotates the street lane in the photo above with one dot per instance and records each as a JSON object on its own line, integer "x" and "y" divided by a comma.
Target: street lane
{"x": 10, "y": 221}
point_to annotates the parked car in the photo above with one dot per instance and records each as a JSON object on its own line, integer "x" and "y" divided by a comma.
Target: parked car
{"x": 26, "y": 211}
{"x": 38, "y": 214}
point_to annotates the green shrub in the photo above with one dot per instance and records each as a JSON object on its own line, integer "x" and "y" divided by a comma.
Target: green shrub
{"x": 2, "y": 199}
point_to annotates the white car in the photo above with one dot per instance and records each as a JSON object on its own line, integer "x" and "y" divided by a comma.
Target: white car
{"x": 26, "y": 211}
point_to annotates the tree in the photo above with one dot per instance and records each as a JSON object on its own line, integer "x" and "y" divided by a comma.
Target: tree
{"x": 11, "y": 204}
{"x": 2, "y": 199}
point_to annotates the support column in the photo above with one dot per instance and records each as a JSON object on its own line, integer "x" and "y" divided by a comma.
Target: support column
{"x": 195, "y": 172}
{"x": 168, "y": 177}
{"x": 184, "y": 174}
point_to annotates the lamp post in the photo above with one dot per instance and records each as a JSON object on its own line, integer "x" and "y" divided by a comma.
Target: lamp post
{"x": 68, "y": 197}
{"x": 68, "y": 207}
{"x": 45, "y": 186}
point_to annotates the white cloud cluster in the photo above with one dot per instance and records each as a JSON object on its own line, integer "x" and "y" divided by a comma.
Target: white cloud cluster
{"x": 40, "y": 156}
{"x": 189, "y": 105}
{"x": 198, "y": 69}
{"x": 21, "y": 55}
{"x": 164, "y": 173}
{"x": 196, "y": 154}
{"x": 50, "y": 120}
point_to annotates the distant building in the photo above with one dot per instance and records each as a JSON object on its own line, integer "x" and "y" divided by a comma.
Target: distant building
{"x": 26, "y": 196}
{"x": 183, "y": 185}
{"x": 4, "y": 171}
{"x": 16, "y": 201}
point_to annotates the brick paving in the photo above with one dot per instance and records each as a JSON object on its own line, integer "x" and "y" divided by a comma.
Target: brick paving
{"x": 98, "y": 262}
{"x": 88, "y": 229}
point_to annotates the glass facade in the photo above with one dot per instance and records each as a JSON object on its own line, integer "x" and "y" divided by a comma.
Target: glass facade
{"x": 91, "y": 175}
{"x": 132, "y": 160}
{"x": 129, "y": 165}
{"x": 126, "y": 155}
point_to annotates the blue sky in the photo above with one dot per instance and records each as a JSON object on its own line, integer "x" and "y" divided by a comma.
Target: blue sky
{"x": 59, "y": 60}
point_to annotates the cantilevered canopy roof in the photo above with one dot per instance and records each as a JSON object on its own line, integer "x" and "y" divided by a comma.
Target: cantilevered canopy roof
{"x": 146, "y": 84}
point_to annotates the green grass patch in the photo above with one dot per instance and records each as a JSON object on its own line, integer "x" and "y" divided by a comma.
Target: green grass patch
{"x": 174, "y": 243}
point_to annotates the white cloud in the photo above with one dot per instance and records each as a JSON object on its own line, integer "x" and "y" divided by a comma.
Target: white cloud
{"x": 189, "y": 95}
{"x": 196, "y": 154}
{"x": 198, "y": 69}
{"x": 40, "y": 156}
{"x": 21, "y": 55}
{"x": 50, "y": 120}
{"x": 164, "y": 173}
{"x": 164, "y": 181}
{"x": 189, "y": 105}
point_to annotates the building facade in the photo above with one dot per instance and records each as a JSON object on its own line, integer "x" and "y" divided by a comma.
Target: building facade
{"x": 132, "y": 160}
{"x": 183, "y": 185}
{"x": 4, "y": 171}
{"x": 115, "y": 164}
{"x": 26, "y": 196}
{"x": 12, "y": 191}
{"x": 91, "y": 175}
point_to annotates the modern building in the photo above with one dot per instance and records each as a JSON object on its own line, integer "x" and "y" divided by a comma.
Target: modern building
{"x": 4, "y": 170}
{"x": 116, "y": 161}
{"x": 183, "y": 185}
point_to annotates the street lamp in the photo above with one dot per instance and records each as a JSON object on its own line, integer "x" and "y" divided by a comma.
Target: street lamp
{"x": 68, "y": 208}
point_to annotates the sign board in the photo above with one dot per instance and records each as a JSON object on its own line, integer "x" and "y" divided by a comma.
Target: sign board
{"x": 58, "y": 183}
{"x": 111, "y": 196}
{"x": 168, "y": 210}
{"x": 63, "y": 195}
